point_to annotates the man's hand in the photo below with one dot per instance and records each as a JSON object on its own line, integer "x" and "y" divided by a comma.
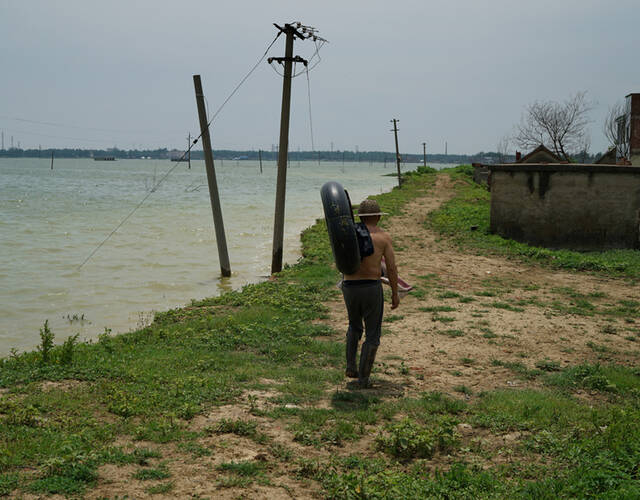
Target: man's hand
{"x": 395, "y": 300}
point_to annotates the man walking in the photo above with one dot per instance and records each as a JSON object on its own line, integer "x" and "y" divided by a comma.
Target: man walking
{"x": 363, "y": 297}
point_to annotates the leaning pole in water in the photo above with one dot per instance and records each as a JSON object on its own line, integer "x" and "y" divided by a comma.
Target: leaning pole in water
{"x": 221, "y": 240}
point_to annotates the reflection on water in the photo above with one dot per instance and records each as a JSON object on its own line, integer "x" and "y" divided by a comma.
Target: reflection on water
{"x": 162, "y": 257}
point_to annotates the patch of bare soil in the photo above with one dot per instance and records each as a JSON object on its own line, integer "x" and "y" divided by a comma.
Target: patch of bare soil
{"x": 473, "y": 315}
{"x": 509, "y": 316}
{"x": 61, "y": 385}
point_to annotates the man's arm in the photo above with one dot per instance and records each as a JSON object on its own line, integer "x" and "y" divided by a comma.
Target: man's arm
{"x": 392, "y": 272}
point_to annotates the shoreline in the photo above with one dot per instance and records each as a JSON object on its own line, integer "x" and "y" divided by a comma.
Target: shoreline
{"x": 244, "y": 394}
{"x": 162, "y": 258}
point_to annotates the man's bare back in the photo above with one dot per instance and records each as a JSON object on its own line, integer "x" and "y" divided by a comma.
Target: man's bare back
{"x": 371, "y": 266}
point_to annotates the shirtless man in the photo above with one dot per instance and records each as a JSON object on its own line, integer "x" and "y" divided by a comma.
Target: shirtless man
{"x": 363, "y": 297}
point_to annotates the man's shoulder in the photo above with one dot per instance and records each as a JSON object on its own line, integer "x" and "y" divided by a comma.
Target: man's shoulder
{"x": 381, "y": 236}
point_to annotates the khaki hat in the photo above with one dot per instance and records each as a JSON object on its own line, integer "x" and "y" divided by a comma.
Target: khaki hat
{"x": 369, "y": 208}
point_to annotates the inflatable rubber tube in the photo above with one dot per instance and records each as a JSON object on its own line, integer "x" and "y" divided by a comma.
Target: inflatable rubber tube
{"x": 341, "y": 227}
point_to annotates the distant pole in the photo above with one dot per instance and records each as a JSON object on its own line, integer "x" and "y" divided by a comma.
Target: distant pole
{"x": 52, "y": 159}
{"x": 221, "y": 240}
{"x": 424, "y": 153}
{"x": 189, "y": 149}
{"x": 446, "y": 146}
{"x": 260, "y": 158}
{"x": 395, "y": 133}
{"x": 281, "y": 183}
{"x": 343, "y": 157}
{"x": 318, "y": 157}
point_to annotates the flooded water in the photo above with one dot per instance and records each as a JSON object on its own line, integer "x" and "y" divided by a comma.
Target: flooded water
{"x": 163, "y": 256}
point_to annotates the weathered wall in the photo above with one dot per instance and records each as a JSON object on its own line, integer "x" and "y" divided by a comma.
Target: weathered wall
{"x": 480, "y": 173}
{"x": 584, "y": 207}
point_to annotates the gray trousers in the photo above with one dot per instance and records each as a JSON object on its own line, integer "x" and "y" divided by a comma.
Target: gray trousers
{"x": 365, "y": 302}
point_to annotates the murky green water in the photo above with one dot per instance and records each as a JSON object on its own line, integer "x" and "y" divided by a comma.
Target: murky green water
{"x": 162, "y": 257}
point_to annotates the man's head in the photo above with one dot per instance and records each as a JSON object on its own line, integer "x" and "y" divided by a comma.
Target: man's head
{"x": 369, "y": 211}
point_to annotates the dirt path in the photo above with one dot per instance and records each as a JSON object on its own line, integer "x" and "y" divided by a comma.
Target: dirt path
{"x": 494, "y": 311}
{"x": 474, "y": 323}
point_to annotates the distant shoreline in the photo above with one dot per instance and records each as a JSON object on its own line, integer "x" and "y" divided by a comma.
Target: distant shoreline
{"x": 251, "y": 155}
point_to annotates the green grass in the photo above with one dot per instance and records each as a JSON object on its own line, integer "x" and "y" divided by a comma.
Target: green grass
{"x": 452, "y": 333}
{"x": 148, "y": 385}
{"x": 153, "y": 473}
{"x": 437, "y": 309}
{"x": 471, "y": 207}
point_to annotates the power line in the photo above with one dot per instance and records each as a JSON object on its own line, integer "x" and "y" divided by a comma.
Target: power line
{"x": 310, "y": 118}
{"x": 181, "y": 158}
{"x": 65, "y": 125}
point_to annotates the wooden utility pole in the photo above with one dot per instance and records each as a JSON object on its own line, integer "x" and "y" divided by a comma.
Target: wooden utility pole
{"x": 260, "y": 158}
{"x": 290, "y": 31}
{"x": 395, "y": 133}
{"x": 221, "y": 240}
{"x": 424, "y": 152}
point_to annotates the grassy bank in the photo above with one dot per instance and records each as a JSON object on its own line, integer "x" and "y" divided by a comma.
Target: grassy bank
{"x": 471, "y": 208}
{"x": 133, "y": 402}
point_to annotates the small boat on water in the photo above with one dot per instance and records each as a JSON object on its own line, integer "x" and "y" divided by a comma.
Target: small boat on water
{"x": 104, "y": 158}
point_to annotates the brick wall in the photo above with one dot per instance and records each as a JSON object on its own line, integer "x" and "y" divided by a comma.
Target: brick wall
{"x": 582, "y": 207}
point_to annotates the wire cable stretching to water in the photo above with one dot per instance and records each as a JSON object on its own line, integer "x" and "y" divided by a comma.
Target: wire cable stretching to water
{"x": 310, "y": 118}
{"x": 181, "y": 158}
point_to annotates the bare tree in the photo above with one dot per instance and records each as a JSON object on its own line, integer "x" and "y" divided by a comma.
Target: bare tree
{"x": 503, "y": 147}
{"x": 562, "y": 127}
{"x": 615, "y": 131}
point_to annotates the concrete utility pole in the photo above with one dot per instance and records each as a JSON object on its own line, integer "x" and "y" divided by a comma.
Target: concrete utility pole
{"x": 291, "y": 31}
{"x": 395, "y": 133}
{"x": 221, "y": 239}
{"x": 424, "y": 153}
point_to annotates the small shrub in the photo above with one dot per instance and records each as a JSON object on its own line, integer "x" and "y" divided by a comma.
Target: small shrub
{"x": 26, "y": 416}
{"x": 46, "y": 342}
{"x": 407, "y": 440}
{"x": 68, "y": 348}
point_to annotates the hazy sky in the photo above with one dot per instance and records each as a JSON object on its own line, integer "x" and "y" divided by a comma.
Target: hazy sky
{"x": 120, "y": 72}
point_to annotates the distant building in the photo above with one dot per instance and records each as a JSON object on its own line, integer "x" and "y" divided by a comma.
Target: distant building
{"x": 541, "y": 154}
{"x": 608, "y": 158}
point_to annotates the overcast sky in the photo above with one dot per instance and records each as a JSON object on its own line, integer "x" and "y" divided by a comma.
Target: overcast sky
{"x": 119, "y": 73}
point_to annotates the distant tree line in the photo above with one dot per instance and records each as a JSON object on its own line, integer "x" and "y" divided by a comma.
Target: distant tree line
{"x": 232, "y": 154}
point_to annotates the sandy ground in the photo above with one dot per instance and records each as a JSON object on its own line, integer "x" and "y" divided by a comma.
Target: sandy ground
{"x": 421, "y": 341}
{"x": 453, "y": 351}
